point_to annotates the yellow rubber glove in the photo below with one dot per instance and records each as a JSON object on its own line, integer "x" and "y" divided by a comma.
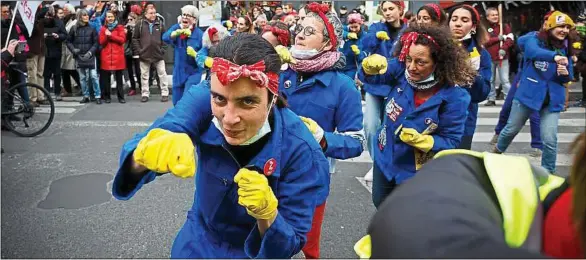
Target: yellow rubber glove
{"x": 191, "y": 52}
{"x": 186, "y": 32}
{"x": 229, "y": 25}
{"x": 209, "y": 62}
{"x": 411, "y": 137}
{"x": 285, "y": 55}
{"x": 363, "y": 247}
{"x": 314, "y": 128}
{"x": 352, "y": 36}
{"x": 375, "y": 65}
{"x": 382, "y": 36}
{"x": 163, "y": 151}
{"x": 255, "y": 194}
{"x": 355, "y": 49}
{"x": 176, "y": 33}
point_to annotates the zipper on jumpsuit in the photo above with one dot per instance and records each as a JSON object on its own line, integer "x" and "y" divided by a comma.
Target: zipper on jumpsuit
{"x": 225, "y": 181}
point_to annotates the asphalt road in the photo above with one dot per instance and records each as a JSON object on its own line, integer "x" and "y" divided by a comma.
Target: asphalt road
{"x": 56, "y": 200}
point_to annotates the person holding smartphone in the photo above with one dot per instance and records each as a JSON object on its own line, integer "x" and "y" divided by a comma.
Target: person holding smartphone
{"x": 54, "y": 34}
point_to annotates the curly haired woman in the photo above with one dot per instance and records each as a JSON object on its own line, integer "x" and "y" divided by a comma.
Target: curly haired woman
{"x": 425, "y": 111}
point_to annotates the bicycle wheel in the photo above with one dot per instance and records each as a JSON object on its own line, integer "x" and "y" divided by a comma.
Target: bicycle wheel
{"x": 21, "y": 117}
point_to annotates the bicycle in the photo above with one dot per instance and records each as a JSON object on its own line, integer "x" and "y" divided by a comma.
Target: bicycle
{"x": 20, "y": 116}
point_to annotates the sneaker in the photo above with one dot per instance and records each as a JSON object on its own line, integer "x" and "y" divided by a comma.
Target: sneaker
{"x": 490, "y": 104}
{"x": 98, "y": 101}
{"x": 368, "y": 176}
{"x": 144, "y": 99}
{"x": 84, "y": 100}
{"x": 535, "y": 152}
{"x": 132, "y": 92}
{"x": 495, "y": 150}
{"x": 494, "y": 140}
{"x": 92, "y": 99}
{"x": 58, "y": 98}
{"x": 164, "y": 98}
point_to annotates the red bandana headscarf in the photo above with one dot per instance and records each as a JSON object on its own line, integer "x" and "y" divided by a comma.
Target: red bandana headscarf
{"x": 321, "y": 10}
{"x": 228, "y": 72}
{"x": 436, "y": 8}
{"x": 282, "y": 35}
{"x": 409, "y": 38}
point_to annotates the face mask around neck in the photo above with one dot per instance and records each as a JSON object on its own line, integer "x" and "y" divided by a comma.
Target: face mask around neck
{"x": 264, "y": 130}
{"x": 430, "y": 78}
{"x": 305, "y": 54}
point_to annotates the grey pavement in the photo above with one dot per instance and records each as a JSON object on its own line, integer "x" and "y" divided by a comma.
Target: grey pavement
{"x": 56, "y": 200}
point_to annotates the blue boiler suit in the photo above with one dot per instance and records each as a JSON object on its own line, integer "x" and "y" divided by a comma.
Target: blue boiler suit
{"x": 478, "y": 92}
{"x": 331, "y": 99}
{"x": 186, "y": 73}
{"x": 217, "y": 226}
{"x": 442, "y": 116}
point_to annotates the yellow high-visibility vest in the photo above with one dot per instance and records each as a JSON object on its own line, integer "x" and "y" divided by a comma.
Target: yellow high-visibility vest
{"x": 520, "y": 189}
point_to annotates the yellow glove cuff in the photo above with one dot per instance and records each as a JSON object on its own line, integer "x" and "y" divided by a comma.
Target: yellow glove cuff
{"x": 209, "y": 62}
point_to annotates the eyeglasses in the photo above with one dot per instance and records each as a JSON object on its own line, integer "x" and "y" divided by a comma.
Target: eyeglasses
{"x": 307, "y": 31}
{"x": 188, "y": 16}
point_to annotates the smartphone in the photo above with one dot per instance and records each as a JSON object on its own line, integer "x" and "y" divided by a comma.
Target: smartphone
{"x": 20, "y": 47}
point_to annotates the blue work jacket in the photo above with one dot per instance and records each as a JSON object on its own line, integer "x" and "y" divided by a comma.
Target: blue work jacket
{"x": 480, "y": 88}
{"x": 217, "y": 226}
{"x": 372, "y": 45}
{"x": 539, "y": 76}
{"x": 331, "y": 99}
{"x": 352, "y": 60}
{"x": 442, "y": 116}
{"x": 185, "y": 66}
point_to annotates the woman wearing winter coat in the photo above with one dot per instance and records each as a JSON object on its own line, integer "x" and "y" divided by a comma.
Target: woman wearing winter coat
{"x": 83, "y": 43}
{"x": 67, "y": 60}
{"x": 112, "y": 60}
{"x": 132, "y": 64}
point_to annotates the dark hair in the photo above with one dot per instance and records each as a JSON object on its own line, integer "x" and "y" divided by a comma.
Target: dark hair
{"x": 451, "y": 61}
{"x": 441, "y": 19}
{"x": 481, "y": 36}
{"x": 247, "y": 49}
{"x": 248, "y": 21}
{"x": 578, "y": 184}
{"x": 408, "y": 15}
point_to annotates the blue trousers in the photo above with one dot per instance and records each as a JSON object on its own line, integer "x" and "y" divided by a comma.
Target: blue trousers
{"x": 533, "y": 117}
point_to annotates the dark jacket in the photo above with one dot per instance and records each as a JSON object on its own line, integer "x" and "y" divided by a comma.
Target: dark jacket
{"x": 6, "y": 59}
{"x": 85, "y": 39}
{"x": 149, "y": 46}
{"x": 36, "y": 42}
{"x": 18, "y": 58}
{"x": 54, "y": 45}
{"x": 466, "y": 223}
{"x": 493, "y": 44}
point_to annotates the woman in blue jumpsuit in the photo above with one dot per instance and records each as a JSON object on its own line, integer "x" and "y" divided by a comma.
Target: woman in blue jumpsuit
{"x": 316, "y": 89}
{"x": 546, "y": 68}
{"x": 183, "y": 36}
{"x": 380, "y": 39}
{"x": 351, "y": 48}
{"x": 464, "y": 22}
{"x": 211, "y": 37}
{"x": 237, "y": 212}
{"x": 425, "y": 112}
